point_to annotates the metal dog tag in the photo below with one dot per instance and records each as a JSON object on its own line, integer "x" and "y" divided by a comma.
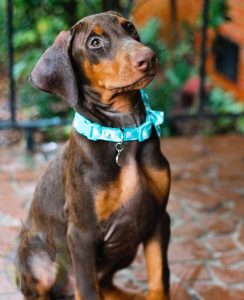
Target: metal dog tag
{"x": 119, "y": 147}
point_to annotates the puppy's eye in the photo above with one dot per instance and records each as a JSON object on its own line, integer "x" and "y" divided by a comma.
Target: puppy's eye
{"x": 95, "y": 43}
{"x": 131, "y": 28}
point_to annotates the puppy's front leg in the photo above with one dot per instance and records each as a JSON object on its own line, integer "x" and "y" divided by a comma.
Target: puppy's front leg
{"x": 81, "y": 236}
{"x": 155, "y": 249}
{"x": 81, "y": 244}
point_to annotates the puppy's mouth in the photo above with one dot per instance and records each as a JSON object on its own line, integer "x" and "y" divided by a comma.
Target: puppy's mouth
{"x": 138, "y": 84}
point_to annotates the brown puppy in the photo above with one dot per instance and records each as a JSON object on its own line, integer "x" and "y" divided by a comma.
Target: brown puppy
{"x": 89, "y": 215}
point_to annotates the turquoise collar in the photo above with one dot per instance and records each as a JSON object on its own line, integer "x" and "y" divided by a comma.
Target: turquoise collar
{"x": 94, "y": 131}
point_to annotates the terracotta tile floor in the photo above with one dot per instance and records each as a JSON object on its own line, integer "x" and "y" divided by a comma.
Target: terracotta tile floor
{"x": 206, "y": 207}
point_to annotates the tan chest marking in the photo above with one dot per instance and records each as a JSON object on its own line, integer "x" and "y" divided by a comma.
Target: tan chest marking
{"x": 116, "y": 194}
{"x": 158, "y": 181}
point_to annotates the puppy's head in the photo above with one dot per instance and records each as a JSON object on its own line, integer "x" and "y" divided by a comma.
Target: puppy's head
{"x": 103, "y": 51}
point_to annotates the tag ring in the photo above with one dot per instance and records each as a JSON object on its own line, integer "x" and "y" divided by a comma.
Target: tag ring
{"x": 119, "y": 148}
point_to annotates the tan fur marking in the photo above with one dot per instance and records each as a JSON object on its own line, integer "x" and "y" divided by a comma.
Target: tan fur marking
{"x": 154, "y": 265}
{"x": 122, "y": 20}
{"x": 117, "y": 73}
{"x": 77, "y": 295}
{"x": 102, "y": 73}
{"x": 158, "y": 181}
{"x": 98, "y": 30}
{"x": 42, "y": 291}
{"x": 112, "y": 197}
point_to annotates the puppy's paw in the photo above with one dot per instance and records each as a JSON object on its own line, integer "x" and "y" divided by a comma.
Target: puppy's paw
{"x": 115, "y": 293}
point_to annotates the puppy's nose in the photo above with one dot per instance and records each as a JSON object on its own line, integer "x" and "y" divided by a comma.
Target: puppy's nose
{"x": 144, "y": 59}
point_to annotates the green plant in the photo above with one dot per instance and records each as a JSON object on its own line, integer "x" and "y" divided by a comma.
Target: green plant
{"x": 3, "y": 40}
{"x": 222, "y": 102}
{"x": 218, "y": 13}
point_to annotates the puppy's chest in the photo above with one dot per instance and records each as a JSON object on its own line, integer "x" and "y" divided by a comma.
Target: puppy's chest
{"x": 135, "y": 188}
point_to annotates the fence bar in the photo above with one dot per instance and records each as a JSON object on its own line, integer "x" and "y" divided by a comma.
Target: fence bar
{"x": 203, "y": 56}
{"x": 11, "y": 60}
{"x": 204, "y": 116}
{"x": 35, "y": 124}
{"x": 44, "y": 123}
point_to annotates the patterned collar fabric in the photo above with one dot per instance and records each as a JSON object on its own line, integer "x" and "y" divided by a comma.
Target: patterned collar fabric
{"x": 94, "y": 131}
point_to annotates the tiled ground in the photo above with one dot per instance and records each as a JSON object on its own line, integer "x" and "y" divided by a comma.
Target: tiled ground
{"x": 206, "y": 206}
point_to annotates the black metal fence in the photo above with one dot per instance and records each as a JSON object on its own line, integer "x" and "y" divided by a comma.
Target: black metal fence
{"x": 31, "y": 126}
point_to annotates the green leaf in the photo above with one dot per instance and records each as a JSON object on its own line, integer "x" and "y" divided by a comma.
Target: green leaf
{"x": 240, "y": 125}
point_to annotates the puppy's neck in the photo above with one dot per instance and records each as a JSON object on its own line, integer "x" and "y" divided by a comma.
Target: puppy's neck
{"x": 119, "y": 110}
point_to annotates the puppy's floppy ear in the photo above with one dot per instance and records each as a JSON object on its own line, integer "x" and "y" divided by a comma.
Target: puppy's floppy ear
{"x": 54, "y": 73}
